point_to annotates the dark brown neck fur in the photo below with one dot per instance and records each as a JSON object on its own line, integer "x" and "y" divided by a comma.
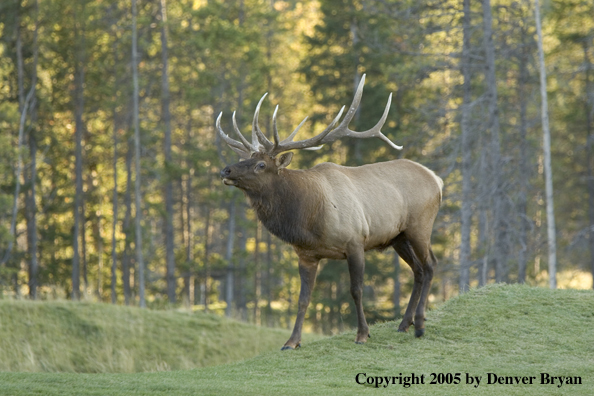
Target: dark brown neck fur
{"x": 291, "y": 209}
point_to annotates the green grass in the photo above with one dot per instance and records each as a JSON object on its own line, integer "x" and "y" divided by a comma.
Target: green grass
{"x": 103, "y": 338}
{"x": 506, "y": 330}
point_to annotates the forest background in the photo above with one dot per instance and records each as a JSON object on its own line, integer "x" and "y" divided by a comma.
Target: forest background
{"x": 78, "y": 220}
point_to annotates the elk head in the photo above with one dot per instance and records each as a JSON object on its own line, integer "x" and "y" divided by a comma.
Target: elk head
{"x": 256, "y": 172}
{"x": 261, "y": 157}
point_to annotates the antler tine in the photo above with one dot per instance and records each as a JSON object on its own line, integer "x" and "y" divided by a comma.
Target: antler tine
{"x": 354, "y": 106}
{"x": 258, "y": 138}
{"x": 233, "y": 144}
{"x": 241, "y": 137}
{"x": 307, "y": 144}
{"x": 342, "y": 130}
{"x": 332, "y": 124}
{"x": 275, "y": 129}
{"x": 379, "y": 125}
{"x": 294, "y": 133}
{"x": 336, "y": 133}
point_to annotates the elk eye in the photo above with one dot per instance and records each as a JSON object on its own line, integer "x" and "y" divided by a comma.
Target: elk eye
{"x": 261, "y": 165}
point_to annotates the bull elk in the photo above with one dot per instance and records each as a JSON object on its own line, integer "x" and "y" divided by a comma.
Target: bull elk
{"x": 338, "y": 212}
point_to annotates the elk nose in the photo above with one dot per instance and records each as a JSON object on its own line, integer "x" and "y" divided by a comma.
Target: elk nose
{"x": 226, "y": 172}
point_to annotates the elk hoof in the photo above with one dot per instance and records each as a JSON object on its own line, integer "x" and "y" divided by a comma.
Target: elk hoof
{"x": 419, "y": 332}
{"x": 362, "y": 341}
{"x": 404, "y": 325}
{"x": 290, "y": 348}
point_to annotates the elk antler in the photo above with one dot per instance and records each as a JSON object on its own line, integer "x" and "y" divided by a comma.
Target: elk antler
{"x": 261, "y": 144}
{"x": 245, "y": 150}
{"x": 329, "y": 134}
{"x": 259, "y": 141}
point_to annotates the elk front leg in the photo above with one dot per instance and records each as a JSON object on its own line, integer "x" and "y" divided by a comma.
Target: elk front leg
{"x": 307, "y": 272}
{"x": 356, "y": 261}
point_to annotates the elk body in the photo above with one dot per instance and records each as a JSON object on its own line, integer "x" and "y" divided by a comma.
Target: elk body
{"x": 338, "y": 212}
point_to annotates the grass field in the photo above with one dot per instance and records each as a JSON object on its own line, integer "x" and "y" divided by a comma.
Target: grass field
{"x": 510, "y": 331}
{"x": 103, "y": 338}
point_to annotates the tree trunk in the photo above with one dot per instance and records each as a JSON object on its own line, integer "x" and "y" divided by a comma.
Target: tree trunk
{"x": 269, "y": 270}
{"x": 466, "y": 209}
{"x": 588, "y": 108}
{"x": 96, "y": 232}
{"x": 257, "y": 276}
{"x": 114, "y": 165}
{"x": 127, "y": 226}
{"x": 99, "y": 246}
{"x": 241, "y": 247}
{"x": 498, "y": 252}
{"x": 290, "y": 304}
{"x": 186, "y": 298}
{"x": 524, "y": 168}
{"x": 23, "y": 108}
{"x": 83, "y": 241}
{"x": 31, "y": 202}
{"x": 32, "y": 221}
{"x": 79, "y": 79}
{"x": 166, "y": 119}
{"x": 197, "y": 291}
{"x": 205, "y": 284}
{"x": 483, "y": 262}
{"x": 114, "y": 264}
{"x": 547, "y": 155}
{"x": 229, "y": 259}
{"x": 396, "y": 296}
{"x": 139, "y": 258}
{"x": 190, "y": 270}
{"x": 356, "y": 80}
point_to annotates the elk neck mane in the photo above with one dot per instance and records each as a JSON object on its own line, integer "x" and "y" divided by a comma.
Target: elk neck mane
{"x": 291, "y": 208}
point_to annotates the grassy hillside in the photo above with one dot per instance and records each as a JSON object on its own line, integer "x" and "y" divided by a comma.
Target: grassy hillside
{"x": 102, "y": 338}
{"x": 511, "y": 331}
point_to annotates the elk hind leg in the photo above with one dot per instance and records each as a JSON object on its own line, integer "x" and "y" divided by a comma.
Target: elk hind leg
{"x": 356, "y": 262}
{"x": 307, "y": 271}
{"x": 429, "y": 261}
{"x": 405, "y": 251}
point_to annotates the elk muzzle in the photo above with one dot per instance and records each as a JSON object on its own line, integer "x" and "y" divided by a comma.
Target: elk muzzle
{"x": 226, "y": 175}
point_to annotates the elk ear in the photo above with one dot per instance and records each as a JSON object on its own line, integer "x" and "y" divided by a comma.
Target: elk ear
{"x": 283, "y": 160}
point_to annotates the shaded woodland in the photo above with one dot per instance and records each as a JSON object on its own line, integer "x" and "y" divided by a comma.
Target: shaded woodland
{"x": 110, "y": 159}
